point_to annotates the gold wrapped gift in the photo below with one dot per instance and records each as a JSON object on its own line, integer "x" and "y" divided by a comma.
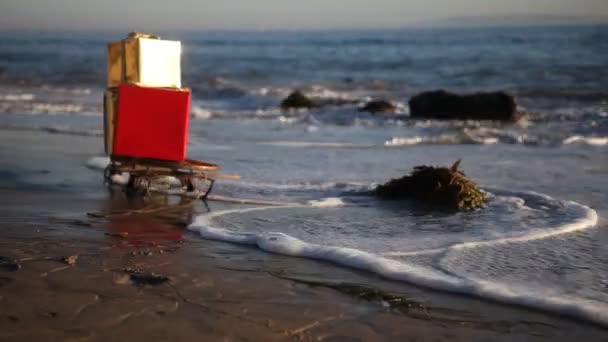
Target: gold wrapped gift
{"x": 110, "y": 107}
{"x": 146, "y": 60}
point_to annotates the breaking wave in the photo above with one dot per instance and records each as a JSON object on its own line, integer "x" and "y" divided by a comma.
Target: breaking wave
{"x": 444, "y": 139}
{"x": 309, "y": 144}
{"x": 593, "y": 141}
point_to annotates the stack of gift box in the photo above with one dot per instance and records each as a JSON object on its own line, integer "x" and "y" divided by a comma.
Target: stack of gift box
{"x": 146, "y": 111}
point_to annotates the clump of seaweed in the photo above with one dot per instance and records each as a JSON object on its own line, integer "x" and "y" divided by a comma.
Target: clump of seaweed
{"x": 368, "y": 294}
{"x": 440, "y": 186}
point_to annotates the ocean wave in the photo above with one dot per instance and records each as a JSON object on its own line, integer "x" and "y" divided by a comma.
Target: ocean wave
{"x": 329, "y": 202}
{"x": 325, "y": 93}
{"x": 463, "y": 134}
{"x": 593, "y": 141}
{"x": 49, "y": 100}
{"x": 62, "y": 130}
{"x": 201, "y": 113}
{"x": 587, "y": 95}
{"x": 277, "y": 92}
{"x": 445, "y": 139}
{"x": 67, "y": 91}
{"x": 47, "y": 108}
{"x": 17, "y": 97}
{"x": 313, "y": 144}
{"x": 580, "y": 217}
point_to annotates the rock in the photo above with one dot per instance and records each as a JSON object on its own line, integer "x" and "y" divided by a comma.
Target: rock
{"x": 439, "y": 186}
{"x": 379, "y": 106}
{"x": 440, "y": 104}
{"x": 8, "y": 264}
{"x": 297, "y": 100}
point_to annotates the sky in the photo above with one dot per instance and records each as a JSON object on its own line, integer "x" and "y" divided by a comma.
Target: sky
{"x": 154, "y": 15}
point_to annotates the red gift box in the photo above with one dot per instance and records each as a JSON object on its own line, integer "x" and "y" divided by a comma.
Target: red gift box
{"x": 152, "y": 122}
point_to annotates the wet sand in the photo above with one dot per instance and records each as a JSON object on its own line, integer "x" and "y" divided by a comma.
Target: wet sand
{"x": 140, "y": 276}
{"x": 117, "y": 289}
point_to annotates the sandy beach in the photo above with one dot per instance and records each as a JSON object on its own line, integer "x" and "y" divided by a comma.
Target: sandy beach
{"x": 136, "y": 273}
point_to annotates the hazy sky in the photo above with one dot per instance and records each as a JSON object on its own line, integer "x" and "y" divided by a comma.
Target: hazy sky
{"x": 154, "y": 15}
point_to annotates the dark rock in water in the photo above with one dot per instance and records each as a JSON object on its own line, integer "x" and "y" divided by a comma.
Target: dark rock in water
{"x": 440, "y": 104}
{"x": 298, "y": 100}
{"x": 439, "y": 186}
{"x": 8, "y": 264}
{"x": 379, "y": 106}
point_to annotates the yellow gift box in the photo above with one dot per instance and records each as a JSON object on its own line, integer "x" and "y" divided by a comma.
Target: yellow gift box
{"x": 145, "y": 59}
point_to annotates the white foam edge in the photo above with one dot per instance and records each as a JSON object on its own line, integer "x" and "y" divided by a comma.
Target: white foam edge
{"x": 280, "y": 243}
{"x": 445, "y": 139}
{"x": 593, "y": 141}
{"x": 586, "y": 218}
{"x": 313, "y": 144}
{"x": 329, "y": 202}
{"x": 98, "y": 163}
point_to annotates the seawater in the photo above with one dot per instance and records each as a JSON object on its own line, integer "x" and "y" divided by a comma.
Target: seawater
{"x": 342, "y": 242}
{"x": 540, "y": 242}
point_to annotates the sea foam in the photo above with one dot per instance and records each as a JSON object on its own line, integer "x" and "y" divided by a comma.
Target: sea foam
{"x": 594, "y": 141}
{"x": 330, "y": 202}
{"x": 98, "y": 163}
{"x": 439, "y": 278}
{"x": 314, "y": 144}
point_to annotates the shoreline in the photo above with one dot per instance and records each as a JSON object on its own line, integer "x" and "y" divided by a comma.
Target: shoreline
{"x": 213, "y": 287}
{"x": 213, "y": 290}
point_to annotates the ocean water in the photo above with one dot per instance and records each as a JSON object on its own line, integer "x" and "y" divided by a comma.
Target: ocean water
{"x": 541, "y": 240}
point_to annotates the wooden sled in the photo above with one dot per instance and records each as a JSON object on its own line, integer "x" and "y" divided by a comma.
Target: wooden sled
{"x": 191, "y": 178}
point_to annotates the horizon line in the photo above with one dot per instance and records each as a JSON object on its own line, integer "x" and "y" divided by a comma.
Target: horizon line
{"x": 456, "y": 23}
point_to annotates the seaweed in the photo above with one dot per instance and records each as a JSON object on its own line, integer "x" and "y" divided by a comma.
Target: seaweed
{"x": 442, "y": 187}
{"x": 365, "y": 293}
{"x": 370, "y": 294}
